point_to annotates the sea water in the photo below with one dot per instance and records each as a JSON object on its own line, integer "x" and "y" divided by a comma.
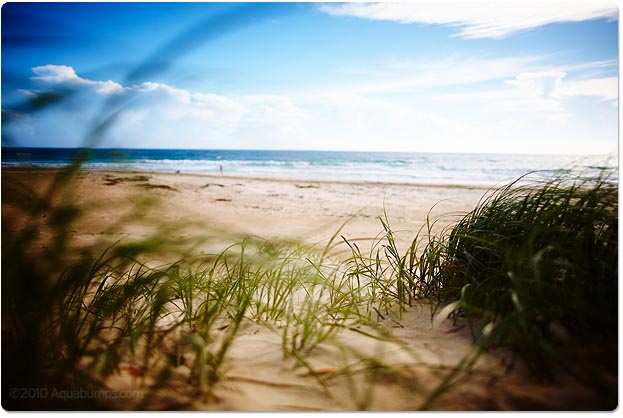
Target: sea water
{"x": 422, "y": 168}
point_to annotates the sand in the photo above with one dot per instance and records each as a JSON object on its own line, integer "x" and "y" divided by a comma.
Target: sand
{"x": 256, "y": 376}
{"x": 309, "y": 211}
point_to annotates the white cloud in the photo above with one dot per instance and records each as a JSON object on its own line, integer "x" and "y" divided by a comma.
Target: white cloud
{"x": 520, "y": 105}
{"x": 360, "y": 122}
{"x": 456, "y": 70}
{"x": 553, "y": 84}
{"x": 542, "y": 83}
{"x": 165, "y": 90}
{"x": 478, "y": 20}
{"x": 369, "y": 112}
{"x": 161, "y": 112}
{"x": 66, "y": 75}
{"x": 220, "y": 110}
{"x": 271, "y": 108}
{"x": 531, "y": 97}
{"x": 55, "y": 73}
{"x": 166, "y": 103}
{"x": 605, "y": 88}
{"x": 108, "y": 87}
{"x": 399, "y": 76}
{"x": 217, "y": 108}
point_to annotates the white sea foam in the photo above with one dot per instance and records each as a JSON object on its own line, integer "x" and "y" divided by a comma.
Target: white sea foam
{"x": 477, "y": 169}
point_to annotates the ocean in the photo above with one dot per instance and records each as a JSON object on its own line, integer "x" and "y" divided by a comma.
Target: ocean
{"x": 422, "y": 168}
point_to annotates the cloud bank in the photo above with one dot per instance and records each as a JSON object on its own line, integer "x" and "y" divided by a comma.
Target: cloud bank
{"x": 441, "y": 104}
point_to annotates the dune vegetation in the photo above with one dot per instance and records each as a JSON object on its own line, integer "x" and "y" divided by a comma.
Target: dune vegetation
{"x": 532, "y": 270}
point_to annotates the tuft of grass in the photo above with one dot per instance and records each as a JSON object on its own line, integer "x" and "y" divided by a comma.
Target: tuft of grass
{"x": 535, "y": 268}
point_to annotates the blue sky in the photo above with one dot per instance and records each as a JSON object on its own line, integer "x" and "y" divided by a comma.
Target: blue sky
{"x": 443, "y": 77}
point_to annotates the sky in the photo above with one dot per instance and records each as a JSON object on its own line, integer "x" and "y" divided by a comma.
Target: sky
{"x": 497, "y": 77}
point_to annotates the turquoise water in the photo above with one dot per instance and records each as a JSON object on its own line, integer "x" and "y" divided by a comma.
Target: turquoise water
{"x": 425, "y": 168}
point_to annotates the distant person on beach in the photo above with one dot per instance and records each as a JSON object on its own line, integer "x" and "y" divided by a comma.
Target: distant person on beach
{"x": 220, "y": 168}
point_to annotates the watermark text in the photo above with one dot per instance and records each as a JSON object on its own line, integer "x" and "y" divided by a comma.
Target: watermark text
{"x": 69, "y": 394}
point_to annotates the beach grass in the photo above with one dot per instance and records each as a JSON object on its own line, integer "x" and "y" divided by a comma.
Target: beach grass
{"x": 535, "y": 268}
{"x": 532, "y": 269}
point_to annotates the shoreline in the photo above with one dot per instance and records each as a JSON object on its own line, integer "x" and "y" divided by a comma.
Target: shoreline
{"x": 470, "y": 186}
{"x": 482, "y": 171}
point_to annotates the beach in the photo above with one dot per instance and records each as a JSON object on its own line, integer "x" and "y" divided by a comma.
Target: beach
{"x": 324, "y": 207}
{"x": 215, "y": 210}
{"x": 309, "y": 211}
